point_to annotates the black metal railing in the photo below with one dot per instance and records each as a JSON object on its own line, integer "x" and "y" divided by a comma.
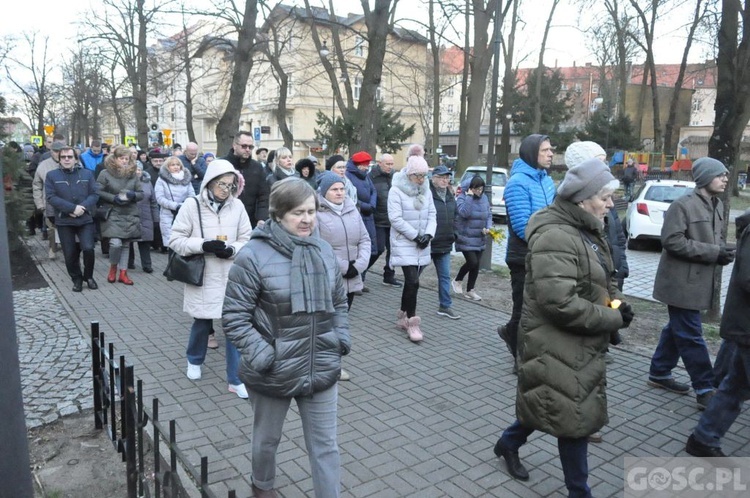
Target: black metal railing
{"x": 115, "y": 386}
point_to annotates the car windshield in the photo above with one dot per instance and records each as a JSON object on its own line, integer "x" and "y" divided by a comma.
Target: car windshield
{"x": 666, "y": 193}
{"x": 498, "y": 179}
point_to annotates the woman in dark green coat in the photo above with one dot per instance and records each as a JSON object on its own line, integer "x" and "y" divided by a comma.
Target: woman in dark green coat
{"x": 569, "y": 314}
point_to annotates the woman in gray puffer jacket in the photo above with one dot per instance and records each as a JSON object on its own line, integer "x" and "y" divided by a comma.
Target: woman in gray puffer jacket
{"x": 472, "y": 224}
{"x": 285, "y": 311}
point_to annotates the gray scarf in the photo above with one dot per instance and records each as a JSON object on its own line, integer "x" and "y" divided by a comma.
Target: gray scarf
{"x": 310, "y": 287}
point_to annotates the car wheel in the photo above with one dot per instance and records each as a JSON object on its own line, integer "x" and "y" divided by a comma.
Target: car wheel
{"x": 634, "y": 245}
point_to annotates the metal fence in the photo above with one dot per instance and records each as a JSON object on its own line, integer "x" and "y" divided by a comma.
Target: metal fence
{"x": 119, "y": 408}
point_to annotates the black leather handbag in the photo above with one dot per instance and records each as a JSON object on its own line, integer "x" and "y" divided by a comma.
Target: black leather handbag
{"x": 187, "y": 269}
{"x": 102, "y": 213}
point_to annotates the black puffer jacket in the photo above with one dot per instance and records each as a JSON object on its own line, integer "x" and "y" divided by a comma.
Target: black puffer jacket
{"x": 382, "y": 182}
{"x": 283, "y": 354}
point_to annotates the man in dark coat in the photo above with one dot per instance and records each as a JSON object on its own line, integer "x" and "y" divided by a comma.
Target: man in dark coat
{"x": 723, "y": 409}
{"x": 256, "y": 190}
{"x": 367, "y": 197}
{"x": 194, "y": 164}
{"x": 442, "y": 244}
{"x": 692, "y": 251}
{"x": 381, "y": 176}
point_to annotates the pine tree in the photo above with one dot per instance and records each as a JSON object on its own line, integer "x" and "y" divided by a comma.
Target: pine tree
{"x": 12, "y": 168}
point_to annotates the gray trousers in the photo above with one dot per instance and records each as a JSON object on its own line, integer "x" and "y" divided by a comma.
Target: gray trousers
{"x": 318, "y": 415}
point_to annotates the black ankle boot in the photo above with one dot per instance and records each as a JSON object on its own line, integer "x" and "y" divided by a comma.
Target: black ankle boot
{"x": 513, "y": 462}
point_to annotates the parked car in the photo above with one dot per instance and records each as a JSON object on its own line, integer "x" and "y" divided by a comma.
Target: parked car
{"x": 499, "y": 180}
{"x": 645, "y": 215}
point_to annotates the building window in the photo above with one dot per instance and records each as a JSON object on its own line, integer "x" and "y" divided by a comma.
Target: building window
{"x": 577, "y": 87}
{"x": 359, "y": 46}
{"x": 595, "y": 88}
{"x": 564, "y": 86}
{"x": 357, "y": 87}
{"x": 290, "y": 85}
{"x": 450, "y": 108}
{"x": 449, "y": 92}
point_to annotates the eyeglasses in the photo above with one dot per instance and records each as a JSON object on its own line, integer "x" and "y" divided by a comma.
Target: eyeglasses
{"x": 225, "y": 186}
{"x": 67, "y": 157}
{"x": 418, "y": 175}
{"x": 246, "y": 146}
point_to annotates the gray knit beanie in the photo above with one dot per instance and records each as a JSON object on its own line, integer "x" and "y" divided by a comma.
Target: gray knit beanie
{"x": 577, "y": 152}
{"x": 327, "y": 180}
{"x": 706, "y": 169}
{"x": 584, "y": 181}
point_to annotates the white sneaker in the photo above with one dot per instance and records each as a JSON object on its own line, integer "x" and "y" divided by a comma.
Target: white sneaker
{"x": 193, "y": 371}
{"x": 473, "y": 296}
{"x": 456, "y": 287}
{"x": 344, "y": 375}
{"x": 239, "y": 390}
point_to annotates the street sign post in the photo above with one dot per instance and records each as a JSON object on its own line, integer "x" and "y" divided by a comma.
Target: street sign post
{"x": 256, "y": 133}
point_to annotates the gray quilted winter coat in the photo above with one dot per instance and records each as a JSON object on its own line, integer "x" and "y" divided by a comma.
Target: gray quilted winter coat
{"x": 283, "y": 354}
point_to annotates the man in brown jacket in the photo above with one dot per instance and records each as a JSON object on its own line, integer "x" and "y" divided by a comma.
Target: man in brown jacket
{"x": 692, "y": 250}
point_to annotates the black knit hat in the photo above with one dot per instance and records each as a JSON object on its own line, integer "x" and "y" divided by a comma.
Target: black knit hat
{"x": 333, "y": 160}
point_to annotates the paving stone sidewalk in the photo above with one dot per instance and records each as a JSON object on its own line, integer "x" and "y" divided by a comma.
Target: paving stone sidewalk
{"x": 415, "y": 420}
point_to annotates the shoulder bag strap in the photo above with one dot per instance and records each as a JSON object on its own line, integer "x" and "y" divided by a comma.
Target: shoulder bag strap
{"x": 200, "y": 220}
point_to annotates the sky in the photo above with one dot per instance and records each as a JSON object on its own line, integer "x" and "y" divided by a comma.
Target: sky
{"x": 566, "y": 44}
{"x": 56, "y": 18}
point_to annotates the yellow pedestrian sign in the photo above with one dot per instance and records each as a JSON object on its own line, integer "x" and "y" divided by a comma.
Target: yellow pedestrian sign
{"x": 131, "y": 141}
{"x": 37, "y": 140}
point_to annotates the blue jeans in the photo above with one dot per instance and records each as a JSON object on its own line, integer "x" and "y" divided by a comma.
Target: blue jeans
{"x": 318, "y": 416}
{"x": 726, "y": 404}
{"x": 72, "y": 250}
{"x": 573, "y": 457}
{"x": 683, "y": 337}
{"x": 442, "y": 263}
{"x": 198, "y": 345}
{"x": 723, "y": 361}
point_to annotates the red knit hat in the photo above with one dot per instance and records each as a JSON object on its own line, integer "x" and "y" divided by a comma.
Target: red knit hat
{"x": 361, "y": 157}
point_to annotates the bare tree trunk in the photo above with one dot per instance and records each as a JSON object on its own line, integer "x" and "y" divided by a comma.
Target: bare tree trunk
{"x": 732, "y": 106}
{"x": 462, "y": 131}
{"x": 540, "y": 72}
{"x": 480, "y": 60}
{"x": 669, "y": 127}
{"x": 436, "y": 52}
{"x": 378, "y": 26}
{"x": 649, "y": 67}
{"x": 229, "y": 122}
{"x": 508, "y": 84}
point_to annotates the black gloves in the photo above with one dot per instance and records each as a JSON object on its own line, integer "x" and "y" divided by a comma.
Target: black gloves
{"x": 615, "y": 338}
{"x": 131, "y": 195}
{"x": 627, "y": 314}
{"x": 119, "y": 201}
{"x": 726, "y": 255}
{"x": 423, "y": 240}
{"x": 225, "y": 253}
{"x": 351, "y": 272}
{"x": 214, "y": 246}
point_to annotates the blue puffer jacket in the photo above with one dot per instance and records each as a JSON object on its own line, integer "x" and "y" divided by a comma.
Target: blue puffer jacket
{"x": 367, "y": 200}
{"x": 472, "y": 216}
{"x": 528, "y": 190}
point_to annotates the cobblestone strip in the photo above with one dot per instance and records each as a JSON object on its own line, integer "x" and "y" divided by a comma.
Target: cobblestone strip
{"x": 54, "y": 358}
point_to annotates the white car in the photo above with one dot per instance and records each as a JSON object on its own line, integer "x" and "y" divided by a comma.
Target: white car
{"x": 645, "y": 215}
{"x": 499, "y": 180}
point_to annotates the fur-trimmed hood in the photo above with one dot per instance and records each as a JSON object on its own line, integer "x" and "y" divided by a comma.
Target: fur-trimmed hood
{"x": 219, "y": 167}
{"x": 114, "y": 169}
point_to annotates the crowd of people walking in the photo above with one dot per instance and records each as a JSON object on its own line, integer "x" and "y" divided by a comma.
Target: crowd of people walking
{"x": 287, "y": 247}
